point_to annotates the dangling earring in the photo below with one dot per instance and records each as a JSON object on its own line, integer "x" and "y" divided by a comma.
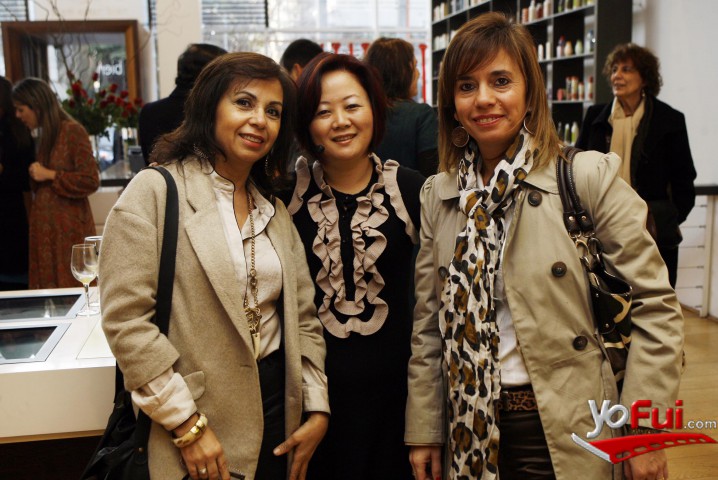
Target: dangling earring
{"x": 528, "y": 114}
{"x": 200, "y": 154}
{"x": 459, "y": 136}
{"x": 266, "y": 163}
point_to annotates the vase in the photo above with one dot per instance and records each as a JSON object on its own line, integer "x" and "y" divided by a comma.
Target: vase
{"x": 95, "y": 143}
{"x": 129, "y": 138}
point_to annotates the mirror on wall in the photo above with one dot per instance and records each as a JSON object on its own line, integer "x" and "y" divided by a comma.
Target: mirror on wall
{"x": 49, "y": 50}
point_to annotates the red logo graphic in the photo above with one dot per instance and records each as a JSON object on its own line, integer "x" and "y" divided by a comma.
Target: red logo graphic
{"x": 616, "y": 450}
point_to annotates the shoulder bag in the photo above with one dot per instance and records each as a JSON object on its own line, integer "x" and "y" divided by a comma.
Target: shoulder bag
{"x": 610, "y": 295}
{"x": 122, "y": 451}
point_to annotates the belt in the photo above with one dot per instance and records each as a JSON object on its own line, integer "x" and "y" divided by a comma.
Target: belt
{"x": 518, "y": 399}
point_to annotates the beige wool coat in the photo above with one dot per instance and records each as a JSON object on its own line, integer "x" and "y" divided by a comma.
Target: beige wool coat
{"x": 551, "y": 313}
{"x": 209, "y": 342}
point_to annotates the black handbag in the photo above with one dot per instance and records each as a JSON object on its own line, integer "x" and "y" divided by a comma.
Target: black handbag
{"x": 610, "y": 295}
{"x": 122, "y": 451}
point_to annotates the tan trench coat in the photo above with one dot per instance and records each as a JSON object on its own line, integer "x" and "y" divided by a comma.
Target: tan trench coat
{"x": 551, "y": 314}
{"x": 209, "y": 341}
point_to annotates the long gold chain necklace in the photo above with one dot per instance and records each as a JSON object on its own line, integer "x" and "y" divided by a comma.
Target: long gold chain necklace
{"x": 253, "y": 314}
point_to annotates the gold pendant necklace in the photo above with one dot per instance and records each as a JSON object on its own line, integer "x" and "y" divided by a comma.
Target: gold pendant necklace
{"x": 253, "y": 314}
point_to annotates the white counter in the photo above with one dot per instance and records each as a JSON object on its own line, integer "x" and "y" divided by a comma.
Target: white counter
{"x": 69, "y": 394}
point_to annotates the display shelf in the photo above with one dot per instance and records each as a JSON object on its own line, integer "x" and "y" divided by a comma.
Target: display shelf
{"x": 598, "y": 26}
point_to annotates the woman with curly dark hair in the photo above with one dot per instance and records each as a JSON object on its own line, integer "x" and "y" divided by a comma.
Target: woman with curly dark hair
{"x": 652, "y": 140}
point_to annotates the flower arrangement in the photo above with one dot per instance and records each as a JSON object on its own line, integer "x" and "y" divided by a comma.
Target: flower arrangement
{"x": 98, "y": 110}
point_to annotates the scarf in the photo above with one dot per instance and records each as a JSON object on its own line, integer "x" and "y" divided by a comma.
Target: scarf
{"x": 467, "y": 314}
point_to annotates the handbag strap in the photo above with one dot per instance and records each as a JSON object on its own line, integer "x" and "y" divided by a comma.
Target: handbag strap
{"x": 576, "y": 219}
{"x": 165, "y": 284}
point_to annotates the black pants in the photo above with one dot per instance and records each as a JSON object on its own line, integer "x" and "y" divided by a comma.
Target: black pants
{"x": 523, "y": 452}
{"x": 670, "y": 256}
{"x": 271, "y": 380}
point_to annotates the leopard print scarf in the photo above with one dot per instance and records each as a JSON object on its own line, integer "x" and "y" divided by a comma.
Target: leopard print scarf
{"x": 467, "y": 314}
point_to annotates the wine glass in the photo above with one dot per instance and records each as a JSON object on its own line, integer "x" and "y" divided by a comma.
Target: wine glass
{"x": 96, "y": 240}
{"x": 84, "y": 269}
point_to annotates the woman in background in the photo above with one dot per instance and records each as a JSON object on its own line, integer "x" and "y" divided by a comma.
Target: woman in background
{"x": 244, "y": 349}
{"x": 358, "y": 220}
{"x": 652, "y": 140}
{"x": 411, "y": 128}
{"x": 16, "y": 155}
{"x": 63, "y": 176}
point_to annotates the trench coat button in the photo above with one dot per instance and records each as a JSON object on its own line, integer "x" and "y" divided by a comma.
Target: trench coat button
{"x": 443, "y": 273}
{"x": 580, "y": 342}
{"x": 535, "y": 199}
{"x": 558, "y": 269}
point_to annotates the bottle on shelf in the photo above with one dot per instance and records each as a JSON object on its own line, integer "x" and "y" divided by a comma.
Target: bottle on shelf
{"x": 568, "y": 49}
{"x": 579, "y": 47}
{"x": 590, "y": 44}
{"x": 589, "y": 88}
{"x": 574, "y": 133}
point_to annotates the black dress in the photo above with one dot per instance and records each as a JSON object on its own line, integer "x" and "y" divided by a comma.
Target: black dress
{"x": 14, "y": 180}
{"x": 359, "y": 249}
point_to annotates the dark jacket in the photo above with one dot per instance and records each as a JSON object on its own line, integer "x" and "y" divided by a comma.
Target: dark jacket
{"x": 160, "y": 117}
{"x": 662, "y": 170}
{"x": 14, "y": 180}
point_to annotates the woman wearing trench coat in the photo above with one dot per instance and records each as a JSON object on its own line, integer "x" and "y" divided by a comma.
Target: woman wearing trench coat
{"x": 504, "y": 341}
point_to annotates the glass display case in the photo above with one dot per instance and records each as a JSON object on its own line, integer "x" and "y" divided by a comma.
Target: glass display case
{"x": 30, "y": 342}
{"x": 33, "y": 306}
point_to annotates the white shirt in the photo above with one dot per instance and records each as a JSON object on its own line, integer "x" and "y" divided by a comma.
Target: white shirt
{"x": 513, "y": 368}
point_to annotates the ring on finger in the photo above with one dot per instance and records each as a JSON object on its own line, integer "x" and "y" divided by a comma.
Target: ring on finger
{"x": 202, "y": 471}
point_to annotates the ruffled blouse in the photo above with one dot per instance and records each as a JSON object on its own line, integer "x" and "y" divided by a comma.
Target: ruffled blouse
{"x": 341, "y": 313}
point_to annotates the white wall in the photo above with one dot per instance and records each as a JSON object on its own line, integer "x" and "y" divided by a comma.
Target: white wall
{"x": 179, "y": 23}
{"x": 681, "y": 34}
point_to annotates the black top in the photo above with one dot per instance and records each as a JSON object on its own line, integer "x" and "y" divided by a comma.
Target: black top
{"x": 411, "y": 136}
{"x": 662, "y": 170}
{"x": 367, "y": 372}
{"x": 160, "y": 117}
{"x": 14, "y": 180}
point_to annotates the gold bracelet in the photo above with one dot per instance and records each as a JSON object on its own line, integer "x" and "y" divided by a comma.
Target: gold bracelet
{"x": 193, "y": 434}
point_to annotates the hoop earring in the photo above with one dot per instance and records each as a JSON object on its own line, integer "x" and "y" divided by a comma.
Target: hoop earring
{"x": 525, "y": 127}
{"x": 459, "y": 136}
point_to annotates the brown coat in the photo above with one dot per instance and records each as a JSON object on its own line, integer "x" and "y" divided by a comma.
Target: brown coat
{"x": 209, "y": 342}
{"x": 60, "y": 214}
{"x": 549, "y": 312}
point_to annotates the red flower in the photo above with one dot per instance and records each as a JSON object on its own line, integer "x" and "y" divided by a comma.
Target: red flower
{"x": 138, "y": 102}
{"x": 71, "y": 102}
{"x": 124, "y": 94}
{"x": 95, "y": 76}
{"x": 125, "y": 114}
{"x": 91, "y": 101}
{"x": 102, "y": 93}
{"x": 111, "y": 98}
{"x": 76, "y": 87}
{"x": 119, "y": 102}
{"x": 114, "y": 87}
{"x": 83, "y": 92}
{"x": 103, "y": 103}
